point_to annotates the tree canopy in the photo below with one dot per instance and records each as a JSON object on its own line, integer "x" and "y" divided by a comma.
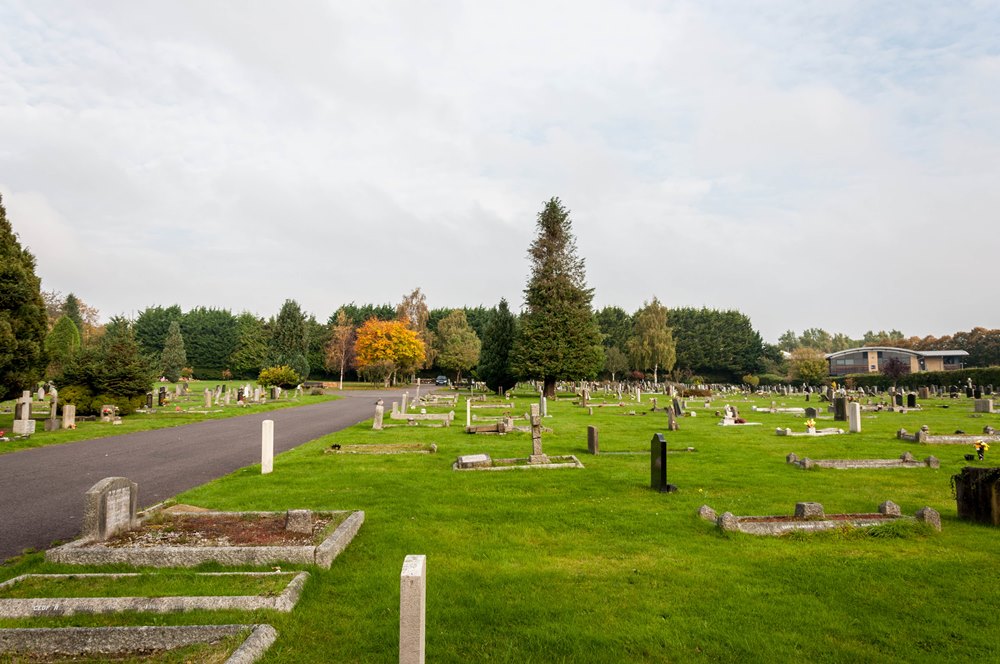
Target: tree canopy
{"x": 494, "y": 356}
{"x": 383, "y": 348}
{"x": 458, "y": 345}
{"x": 651, "y": 345}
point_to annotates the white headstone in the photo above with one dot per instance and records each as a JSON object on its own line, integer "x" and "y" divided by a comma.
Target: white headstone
{"x": 412, "y": 609}
{"x": 854, "y": 417}
{"x": 266, "y": 447}
{"x": 468, "y": 412}
{"x": 208, "y": 398}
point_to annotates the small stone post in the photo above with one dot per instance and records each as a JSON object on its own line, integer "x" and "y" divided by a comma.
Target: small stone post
{"x": 543, "y": 406}
{"x": 379, "y": 412}
{"x": 266, "y": 447}
{"x": 468, "y": 413}
{"x": 854, "y": 417}
{"x": 406, "y": 395}
{"x": 412, "y": 609}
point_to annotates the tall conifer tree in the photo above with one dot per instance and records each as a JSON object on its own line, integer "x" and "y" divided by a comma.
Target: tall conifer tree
{"x": 559, "y": 337}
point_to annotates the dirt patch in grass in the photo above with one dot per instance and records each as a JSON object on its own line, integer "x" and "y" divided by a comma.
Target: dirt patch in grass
{"x": 221, "y": 529}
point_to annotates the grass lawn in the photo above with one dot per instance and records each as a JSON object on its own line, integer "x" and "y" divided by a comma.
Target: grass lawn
{"x": 180, "y": 410}
{"x": 590, "y": 565}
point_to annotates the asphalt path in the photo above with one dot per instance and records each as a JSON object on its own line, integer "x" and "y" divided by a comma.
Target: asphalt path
{"x": 41, "y": 489}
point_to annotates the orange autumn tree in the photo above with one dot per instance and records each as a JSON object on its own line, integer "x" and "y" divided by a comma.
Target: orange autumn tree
{"x": 385, "y": 347}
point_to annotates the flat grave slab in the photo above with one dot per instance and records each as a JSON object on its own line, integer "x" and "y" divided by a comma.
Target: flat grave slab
{"x": 810, "y": 517}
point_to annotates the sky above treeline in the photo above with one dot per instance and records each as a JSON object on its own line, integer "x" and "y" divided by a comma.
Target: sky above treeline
{"x": 809, "y": 163}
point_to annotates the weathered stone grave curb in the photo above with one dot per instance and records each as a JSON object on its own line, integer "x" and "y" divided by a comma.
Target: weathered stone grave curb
{"x": 68, "y": 606}
{"x": 725, "y": 423}
{"x": 89, "y": 552}
{"x": 953, "y": 439}
{"x": 488, "y": 464}
{"x": 905, "y": 460}
{"x": 133, "y": 640}
{"x": 812, "y": 434}
{"x": 391, "y": 448}
{"x": 810, "y": 517}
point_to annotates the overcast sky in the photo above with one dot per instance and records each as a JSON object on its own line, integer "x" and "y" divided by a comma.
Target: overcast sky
{"x": 812, "y": 164}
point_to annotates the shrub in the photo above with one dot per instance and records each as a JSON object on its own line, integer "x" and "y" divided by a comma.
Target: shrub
{"x": 125, "y": 405}
{"x": 78, "y": 395}
{"x": 283, "y": 376}
{"x": 187, "y": 372}
{"x": 751, "y": 380}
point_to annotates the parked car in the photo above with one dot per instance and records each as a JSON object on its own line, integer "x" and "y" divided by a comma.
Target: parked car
{"x": 441, "y": 380}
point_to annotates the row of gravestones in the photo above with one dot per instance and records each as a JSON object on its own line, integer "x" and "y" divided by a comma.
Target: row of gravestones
{"x": 25, "y": 426}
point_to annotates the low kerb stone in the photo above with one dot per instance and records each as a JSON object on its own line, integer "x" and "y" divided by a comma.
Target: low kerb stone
{"x": 299, "y": 521}
{"x": 109, "y": 508}
{"x": 728, "y": 521}
{"x": 707, "y": 513}
{"x": 929, "y": 516}
{"x": 808, "y": 510}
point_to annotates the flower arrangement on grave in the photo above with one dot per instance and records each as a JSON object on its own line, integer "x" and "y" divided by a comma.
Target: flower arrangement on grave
{"x": 810, "y": 425}
{"x": 981, "y": 448}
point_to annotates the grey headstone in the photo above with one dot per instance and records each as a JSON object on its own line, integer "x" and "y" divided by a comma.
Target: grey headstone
{"x": 889, "y": 508}
{"x": 808, "y": 510}
{"x": 593, "y": 445}
{"x": 109, "y": 508}
{"x": 299, "y": 521}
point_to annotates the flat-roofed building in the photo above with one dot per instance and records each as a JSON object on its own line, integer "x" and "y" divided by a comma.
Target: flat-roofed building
{"x": 870, "y": 358}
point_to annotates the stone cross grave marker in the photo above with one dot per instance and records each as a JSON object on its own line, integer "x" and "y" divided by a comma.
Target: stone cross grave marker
{"x": 537, "y": 456}
{"x": 658, "y": 465}
{"x": 109, "y": 508}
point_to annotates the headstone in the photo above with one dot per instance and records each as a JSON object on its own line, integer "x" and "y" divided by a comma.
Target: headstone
{"x": 468, "y": 412}
{"x": 406, "y": 395}
{"x": 911, "y": 400}
{"x": 109, "y": 508}
{"x": 671, "y": 420}
{"x": 658, "y": 465}
{"x": 854, "y": 417}
{"x": 412, "y": 609}
{"x": 969, "y": 392}
{"x": 161, "y": 397}
{"x": 924, "y": 393}
{"x": 537, "y": 456}
{"x": 592, "y": 443}
{"x": 107, "y": 413}
{"x": 299, "y": 521}
{"x": 208, "y": 398}
{"x": 810, "y": 413}
{"x": 149, "y": 400}
{"x": 543, "y": 405}
{"x": 977, "y": 393}
{"x": 982, "y": 406}
{"x": 678, "y": 411}
{"x": 840, "y": 409}
{"x": 808, "y": 510}
{"x": 266, "y": 447}
{"x": 69, "y": 416}
{"x": 898, "y": 399}
{"x": 379, "y": 413}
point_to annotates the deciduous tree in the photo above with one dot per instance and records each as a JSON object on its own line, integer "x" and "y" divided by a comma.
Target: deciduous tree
{"x": 340, "y": 348}
{"x": 388, "y": 347}
{"x": 458, "y": 345}
{"x": 809, "y": 366}
{"x": 651, "y": 345}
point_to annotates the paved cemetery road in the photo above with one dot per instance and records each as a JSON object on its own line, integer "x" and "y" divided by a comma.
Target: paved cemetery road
{"x": 41, "y": 489}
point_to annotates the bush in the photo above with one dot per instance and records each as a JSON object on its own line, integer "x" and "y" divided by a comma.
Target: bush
{"x": 78, "y": 395}
{"x": 772, "y": 379}
{"x": 283, "y": 376}
{"x": 751, "y": 380}
{"x": 125, "y": 405}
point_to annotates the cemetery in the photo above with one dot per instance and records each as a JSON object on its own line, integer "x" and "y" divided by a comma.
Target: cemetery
{"x": 610, "y": 497}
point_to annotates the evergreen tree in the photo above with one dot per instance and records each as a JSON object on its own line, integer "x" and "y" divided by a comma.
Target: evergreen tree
{"x": 62, "y": 343}
{"x": 71, "y": 309}
{"x": 152, "y": 326}
{"x": 652, "y": 343}
{"x": 252, "y": 346}
{"x": 289, "y": 339}
{"x": 458, "y": 345}
{"x": 559, "y": 338}
{"x": 174, "y": 358}
{"x": 616, "y": 327}
{"x": 210, "y": 337}
{"x": 23, "y": 319}
{"x": 494, "y": 357}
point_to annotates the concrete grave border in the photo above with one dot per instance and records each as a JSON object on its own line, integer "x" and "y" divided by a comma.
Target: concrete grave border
{"x": 89, "y": 552}
{"x": 830, "y": 431}
{"x": 810, "y": 517}
{"x": 953, "y": 439}
{"x": 905, "y": 460}
{"x": 572, "y": 462}
{"x": 67, "y": 606}
{"x": 394, "y": 448}
{"x": 126, "y": 640}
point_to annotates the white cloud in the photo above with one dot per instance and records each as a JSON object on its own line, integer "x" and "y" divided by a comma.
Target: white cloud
{"x": 804, "y": 162}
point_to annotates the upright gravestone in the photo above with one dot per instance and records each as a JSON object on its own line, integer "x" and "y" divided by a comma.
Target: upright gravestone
{"x": 68, "y": 416}
{"x": 854, "y": 417}
{"x": 23, "y": 424}
{"x": 911, "y": 400}
{"x": 208, "y": 398}
{"x": 983, "y": 406}
{"x": 840, "y": 409}
{"x": 109, "y": 508}
{"x": 537, "y": 456}
{"x": 658, "y": 465}
{"x": 412, "y": 609}
{"x": 924, "y": 393}
{"x": 676, "y": 404}
{"x": 969, "y": 392}
{"x": 149, "y": 400}
{"x": 543, "y": 405}
{"x": 379, "y": 413}
{"x": 161, "y": 397}
{"x": 52, "y": 423}
{"x": 898, "y": 399}
{"x": 468, "y": 413}
{"x": 811, "y": 413}
{"x": 273, "y": 393}
{"x": 671, "y": 420}
{"x": 977, "y": 393}
{"x": 592, "y": 443}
